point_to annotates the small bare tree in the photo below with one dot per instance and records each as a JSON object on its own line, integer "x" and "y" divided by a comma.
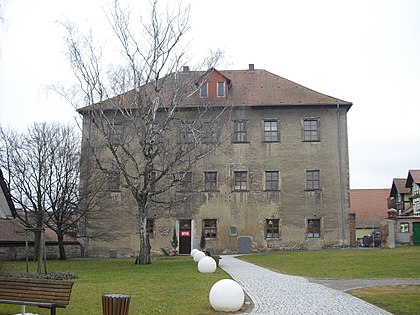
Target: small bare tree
{"x": 138, "y": 125}
{"x": 42, "y": 168}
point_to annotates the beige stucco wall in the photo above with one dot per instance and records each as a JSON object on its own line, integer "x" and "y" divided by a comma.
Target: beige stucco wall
{"x": 247, "y": 211}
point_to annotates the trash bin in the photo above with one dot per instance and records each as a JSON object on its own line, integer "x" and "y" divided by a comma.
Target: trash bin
{"x": 115, "y": 304}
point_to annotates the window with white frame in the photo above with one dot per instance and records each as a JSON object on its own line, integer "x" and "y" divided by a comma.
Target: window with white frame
{"x": 204, "y": 90}
{"x": 271, "y": 130}
{"x": 271, "y": 180}
{"x": 221, "y": 89}
{"x": 272, "y": 228}
{"x": 314, "y": 228}
{"x": 311, "y": 130}
{"x": 240, "y": 181}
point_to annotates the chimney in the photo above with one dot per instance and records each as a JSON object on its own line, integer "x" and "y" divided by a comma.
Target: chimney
{"x": 185, "y": 69}
{"x": 251, "y": 67}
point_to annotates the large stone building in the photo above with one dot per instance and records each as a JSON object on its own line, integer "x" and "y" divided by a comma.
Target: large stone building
{"x": 279, "y": 178}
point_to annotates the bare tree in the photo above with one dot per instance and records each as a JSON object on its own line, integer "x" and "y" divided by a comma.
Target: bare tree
{"x": 42, "y": 167}
{"x": 138, "y": 125}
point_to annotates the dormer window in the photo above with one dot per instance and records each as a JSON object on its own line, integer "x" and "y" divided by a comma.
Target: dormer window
{"x": 204, "y": 91}
{"x": 220, "y": 89}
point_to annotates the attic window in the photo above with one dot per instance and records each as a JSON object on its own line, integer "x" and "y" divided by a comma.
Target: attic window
{"x": 204, "y": 90}
{"x": 220, "y": 89}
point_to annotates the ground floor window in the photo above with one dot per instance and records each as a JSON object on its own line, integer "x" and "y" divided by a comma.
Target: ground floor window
{"x": 210, "y": 228}
{"x": 150, "y": 227}
{"x": 272, "y": 228}
{"x": 314, "y": 228}
{"x": 404, "y": 227}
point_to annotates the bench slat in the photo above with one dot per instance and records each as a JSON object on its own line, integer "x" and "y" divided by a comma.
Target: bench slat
{"x": 35, "y": 292}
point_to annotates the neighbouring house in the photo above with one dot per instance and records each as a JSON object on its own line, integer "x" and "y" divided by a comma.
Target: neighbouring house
{"x": 16, "y": 242}
{"x": 279, "y": 180}
{"x": 7, "y": 208}
{"x": 404, "y": 204}
{"x": 370, "y": 207}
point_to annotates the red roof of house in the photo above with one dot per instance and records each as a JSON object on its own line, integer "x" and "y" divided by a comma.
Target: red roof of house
{"x": 251, "y": 87}
{"x": 370, "y": 206}
{"x": 413, "y": 177}
{"x": 398, "y": 187}
{"x": 12, "y": 231}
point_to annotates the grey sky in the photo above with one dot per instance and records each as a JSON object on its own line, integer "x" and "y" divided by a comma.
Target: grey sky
{"x": 365, "y": 52}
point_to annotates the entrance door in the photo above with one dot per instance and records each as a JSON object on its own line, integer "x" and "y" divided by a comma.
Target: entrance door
{"x": 416, "y": 233}
{"x": 184, "y": 236}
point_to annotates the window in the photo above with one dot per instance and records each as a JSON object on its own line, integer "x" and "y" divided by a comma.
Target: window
{"x": 220, "y": 89}
{"x": 211, "y": 132}
{"x": 204, "y": 90}
{"x": 314, "y": 228}
{"x": 311, "y": 130}
{"x": 404, "y": 227}
{"x": 210, "y": 228}
{"x": 271, "y": 180}
{"x": 272, "y": 228}
{"x": 115, "y": 133}
{"x": 233, "y": 231}
{"x": 150, "y": 227}
{"x": 152, "y": 135}
{"x": 113, "y": 181}
{"x": 271, "y": 131}
{"x": 240, "y": 131}
{"x": 240, "y": 181}
{"x": 185, "y": 181}
{"x": 186, "y": 134}
{"x": 312, "y": 180}
{"x": 210, "y": 181}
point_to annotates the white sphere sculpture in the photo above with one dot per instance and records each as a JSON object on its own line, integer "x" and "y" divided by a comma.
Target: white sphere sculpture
{"x": 207, "y": 264}
{"x": 226, "y": 295}
{"x": 198, "y": 255}
{"x": 193, "y": 252}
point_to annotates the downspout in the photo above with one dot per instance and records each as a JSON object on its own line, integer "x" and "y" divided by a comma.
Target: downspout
{"x": 340, "y": 184}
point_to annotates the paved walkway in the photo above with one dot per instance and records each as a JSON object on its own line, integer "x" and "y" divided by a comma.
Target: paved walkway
{"x": 275, "y": 293}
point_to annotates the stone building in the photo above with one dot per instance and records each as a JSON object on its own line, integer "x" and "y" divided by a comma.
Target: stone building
{"x": 278, "y": 179}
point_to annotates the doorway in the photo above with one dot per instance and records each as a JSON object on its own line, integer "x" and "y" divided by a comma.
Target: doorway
{"x": 416, "y": 233}
{"x": 185, "y": 236}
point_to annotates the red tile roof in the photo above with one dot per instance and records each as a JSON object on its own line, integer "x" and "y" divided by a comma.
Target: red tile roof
{"x": 255, "y": 87}
{"x": 370, "y": 206}
{"x": 398, "y": 186}
{"x": 413, "y": 177}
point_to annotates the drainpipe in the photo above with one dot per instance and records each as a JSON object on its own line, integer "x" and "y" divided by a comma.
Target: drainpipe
{"x": 340, "y": 184}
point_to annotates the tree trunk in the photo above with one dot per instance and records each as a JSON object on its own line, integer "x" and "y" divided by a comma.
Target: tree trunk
{"x": 144, "y": 255}
{"x": 60, "y": 238}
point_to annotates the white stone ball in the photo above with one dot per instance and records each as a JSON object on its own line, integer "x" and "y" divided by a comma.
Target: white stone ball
{"x": 226, "y": 295}
{"x": 207, "y": 264}
{"x": 198, "y": 255}
{"x": 193, "y": 252}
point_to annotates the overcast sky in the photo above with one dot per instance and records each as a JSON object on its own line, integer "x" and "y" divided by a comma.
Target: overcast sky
{"x": 364, "y": 52}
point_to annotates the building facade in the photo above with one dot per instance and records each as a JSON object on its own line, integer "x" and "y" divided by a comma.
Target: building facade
{"x": 278, "y": 179}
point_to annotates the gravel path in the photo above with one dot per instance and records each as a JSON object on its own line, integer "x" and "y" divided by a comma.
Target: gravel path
{"x": 275, "y": 293}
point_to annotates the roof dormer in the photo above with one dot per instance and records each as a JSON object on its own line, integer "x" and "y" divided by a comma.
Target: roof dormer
{"x": 213, "y": 84}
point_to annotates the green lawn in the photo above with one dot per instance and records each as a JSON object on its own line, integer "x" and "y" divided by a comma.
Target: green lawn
{"x": 174, "y": 286}
{"x": 168, "y": 286}
{"x": 401, "y": 262}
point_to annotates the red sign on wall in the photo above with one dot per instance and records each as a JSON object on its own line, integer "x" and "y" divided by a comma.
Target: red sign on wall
{"x": 185, "y": 233}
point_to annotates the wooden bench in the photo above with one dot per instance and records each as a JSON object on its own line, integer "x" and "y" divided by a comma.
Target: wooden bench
{"x": 35, "y": 292}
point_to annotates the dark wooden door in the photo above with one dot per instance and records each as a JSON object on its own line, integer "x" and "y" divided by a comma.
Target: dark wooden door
{"x": 185, "y": 236}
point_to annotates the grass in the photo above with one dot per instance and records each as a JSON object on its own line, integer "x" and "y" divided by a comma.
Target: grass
{"x": 401, "y": 262}
{"x": 173, "y": 285}
{"x": 167, "y": 286}
{"x": 401, "y": 299}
